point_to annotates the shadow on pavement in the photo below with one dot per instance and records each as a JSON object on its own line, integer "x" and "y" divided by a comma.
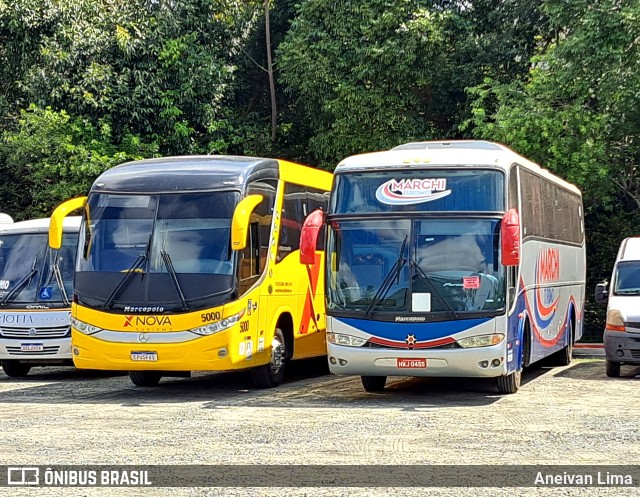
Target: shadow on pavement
{"x": 594, "y": 369}
{"x": 307, "y": 384}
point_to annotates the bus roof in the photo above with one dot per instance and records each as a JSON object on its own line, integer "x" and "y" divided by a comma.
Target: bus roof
{"x": 184, "y": 173}
{"x": 421, "y": 155}
{"x": 71, "y": 223}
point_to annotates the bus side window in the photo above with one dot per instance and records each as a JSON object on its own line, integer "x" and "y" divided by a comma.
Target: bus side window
{"x": 293, "y": 214}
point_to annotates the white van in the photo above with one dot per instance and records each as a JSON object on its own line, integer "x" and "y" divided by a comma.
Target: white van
{"x": 36, "y": 287}
{"x": 622, "y": 296}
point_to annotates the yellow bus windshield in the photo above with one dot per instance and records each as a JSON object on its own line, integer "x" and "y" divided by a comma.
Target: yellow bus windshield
{"x": 172, "y": 250}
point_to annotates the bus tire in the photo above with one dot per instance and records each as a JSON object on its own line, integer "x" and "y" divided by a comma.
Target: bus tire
{"x": 374, "y": 383}
{"x": 15, "y": 369}
{"x": 563, "y": 357}
{"x": 271, "y": 374}
{"x": 145, "y": 378}
{"x": 612, "y": 368}
{"x": 509, "y": 383}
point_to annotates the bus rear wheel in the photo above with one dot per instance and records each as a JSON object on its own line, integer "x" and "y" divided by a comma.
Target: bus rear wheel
{"x": 145, "y": 378}
{"x": 374, "y": 383}
{"x": 563, "y": 357}
{"x": 271, "y": 374}
{"x": 509, "y": 383}
{"x": 15, "y": 369}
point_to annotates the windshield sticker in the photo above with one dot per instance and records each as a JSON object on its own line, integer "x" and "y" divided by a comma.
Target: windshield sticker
{"x": 5, "y": 284}
{"x": 471, "y": 282}
{"x": 45, "y": 293}
{"x": 412, "y": 191}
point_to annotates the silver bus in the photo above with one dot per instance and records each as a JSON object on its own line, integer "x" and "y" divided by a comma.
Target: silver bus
{"x": 460, "y": 259}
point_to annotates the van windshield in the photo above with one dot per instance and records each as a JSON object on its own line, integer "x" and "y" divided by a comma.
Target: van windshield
{"x": 627, "y": 278}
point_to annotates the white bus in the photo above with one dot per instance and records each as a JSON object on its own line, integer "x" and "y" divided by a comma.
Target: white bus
{"x": 456, "y": 258}
{"x": 36, "y": 286}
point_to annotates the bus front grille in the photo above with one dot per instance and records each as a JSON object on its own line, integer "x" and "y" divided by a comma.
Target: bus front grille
{"x": 41, "y": 332}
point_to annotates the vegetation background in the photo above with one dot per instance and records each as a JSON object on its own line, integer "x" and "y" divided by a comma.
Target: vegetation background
{"x": 88, "y": 84}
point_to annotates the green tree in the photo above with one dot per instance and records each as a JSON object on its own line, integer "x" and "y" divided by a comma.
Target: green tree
{"x": 372, "y": 74}
{"x": 577, "y": 114}
{"x": 51, "y": 156}
{"x": 158, "y": 69}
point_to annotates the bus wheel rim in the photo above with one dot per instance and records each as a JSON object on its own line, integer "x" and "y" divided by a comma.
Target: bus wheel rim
{"x": 277, "y": 355}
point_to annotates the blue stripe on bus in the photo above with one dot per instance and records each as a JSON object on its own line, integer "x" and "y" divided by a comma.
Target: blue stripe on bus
{"x": 422, "y": 331}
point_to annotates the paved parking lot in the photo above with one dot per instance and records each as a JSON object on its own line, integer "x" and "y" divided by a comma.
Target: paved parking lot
{"x": 571, "y": 415}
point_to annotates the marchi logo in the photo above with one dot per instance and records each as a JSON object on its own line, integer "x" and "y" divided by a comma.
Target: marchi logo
{"x": 146, "y": 321}
{"x": 412, "y": 191}
{"x": 546, "y": 297}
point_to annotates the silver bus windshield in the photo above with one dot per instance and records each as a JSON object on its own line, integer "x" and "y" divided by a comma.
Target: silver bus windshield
{"x": 452, "y": 266}
{"x": 27, "y": 269}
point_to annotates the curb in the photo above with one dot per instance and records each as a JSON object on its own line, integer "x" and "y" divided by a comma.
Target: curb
{"x": 588, "y": 350}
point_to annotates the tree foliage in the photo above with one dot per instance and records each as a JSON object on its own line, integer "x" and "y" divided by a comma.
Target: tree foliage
{"x": 54, "y": 156}
{"x": 577, "y": 114}
{"x": 370, "y": 75}
{"x": 111, "y": 80}
{"x": 87, "y": 84}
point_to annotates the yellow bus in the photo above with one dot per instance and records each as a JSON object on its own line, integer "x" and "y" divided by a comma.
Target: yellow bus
{"x": 192, "y": 264}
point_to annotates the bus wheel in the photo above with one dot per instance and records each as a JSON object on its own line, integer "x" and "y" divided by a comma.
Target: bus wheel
{"x": 271, "y": 375}
{"x": 145, "y": 378}
{"x": 509, "y": 383}
{"x": 374, "y": 383}
{"x": 563, "y": 357}
{"x": 15, "y": 369}
{"x": 613, "y": 369}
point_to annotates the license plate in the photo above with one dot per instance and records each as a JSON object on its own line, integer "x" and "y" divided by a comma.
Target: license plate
{"x": 412, "y": 363}
{"x": 144, "y": 356}
{"x": 31, "y": 347}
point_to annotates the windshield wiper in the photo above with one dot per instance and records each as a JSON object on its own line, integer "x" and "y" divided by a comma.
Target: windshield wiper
{"x": 174, "y": 277}
{"x": 434, "y": 289}
{"x": 26, "y": 279}
{"x": 137, "y": 264}
{"x": 59, "y": 281}
{"x": 393, "y": 273}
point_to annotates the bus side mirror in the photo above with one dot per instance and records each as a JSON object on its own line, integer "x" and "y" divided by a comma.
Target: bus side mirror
{"x": 309, "y": 236}
{"x": 240, "y": 221}
{"x": 510, "y": 238}
{"x": 602, "y": 293}
{"x": 57, "y": 219}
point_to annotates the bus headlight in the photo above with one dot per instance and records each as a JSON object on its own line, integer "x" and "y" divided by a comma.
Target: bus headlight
{"x": 82, "y": 327}
{"x": 346, "y": 340}
{"x": 223, "y": 324}
{"x": 481, "y": 341}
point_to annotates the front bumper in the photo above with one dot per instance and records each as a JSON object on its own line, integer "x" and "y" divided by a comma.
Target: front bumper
{"x": 207, "y": 353}
{"x": 53, "y": 349}
{"x": 472, "y": 362}
{"x": 623, "y": 347}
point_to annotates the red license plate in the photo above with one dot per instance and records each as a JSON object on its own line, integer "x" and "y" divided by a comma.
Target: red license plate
{"x": 411, "y": 363}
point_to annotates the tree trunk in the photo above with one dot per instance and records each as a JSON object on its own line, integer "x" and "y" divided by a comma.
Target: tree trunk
{"x": 272, "y": 85}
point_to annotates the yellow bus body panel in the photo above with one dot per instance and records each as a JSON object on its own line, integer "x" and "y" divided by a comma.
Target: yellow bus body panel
{"x": 287, "y": 290}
